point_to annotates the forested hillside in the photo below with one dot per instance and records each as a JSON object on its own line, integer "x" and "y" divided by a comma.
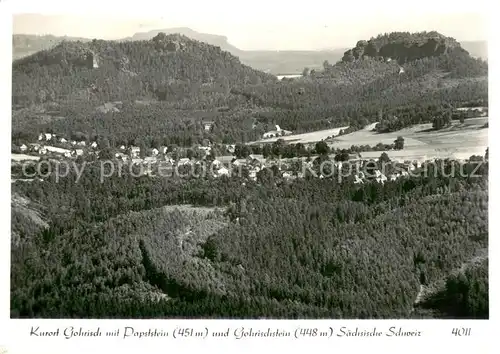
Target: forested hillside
{"x": 162, "y": 90}
{"x": 127, "y": 70}
{"x": 307, "y": 248}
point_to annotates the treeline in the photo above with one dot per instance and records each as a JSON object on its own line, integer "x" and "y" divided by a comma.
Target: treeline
{"x": 281, "y": 149}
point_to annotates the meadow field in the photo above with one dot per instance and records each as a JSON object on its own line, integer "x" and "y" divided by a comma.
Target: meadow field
{"x": 459, "y": 141}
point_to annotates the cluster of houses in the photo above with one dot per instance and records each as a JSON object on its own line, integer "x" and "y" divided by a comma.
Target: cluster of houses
{"x": 49, "y": 143}
{"x": 221, "y": 165}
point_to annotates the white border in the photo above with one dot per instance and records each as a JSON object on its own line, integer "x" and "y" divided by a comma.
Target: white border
{"x": 436, "y": 334}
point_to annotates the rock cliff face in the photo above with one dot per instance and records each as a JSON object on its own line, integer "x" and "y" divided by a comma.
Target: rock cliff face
{"x": 404, "y": 47}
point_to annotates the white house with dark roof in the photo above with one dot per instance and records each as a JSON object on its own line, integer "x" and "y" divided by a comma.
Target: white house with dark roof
{"x": 276, "y": 133}
{"x": 184, "y": 161}
{"x": 135, "y": 151}
{"x": 77, "y": 152}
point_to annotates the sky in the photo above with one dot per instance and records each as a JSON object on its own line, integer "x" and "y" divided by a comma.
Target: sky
{"x": 257, "y": 24}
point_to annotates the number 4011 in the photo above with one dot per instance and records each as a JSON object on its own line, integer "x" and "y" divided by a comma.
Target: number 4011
{"x": 461, "y": 332}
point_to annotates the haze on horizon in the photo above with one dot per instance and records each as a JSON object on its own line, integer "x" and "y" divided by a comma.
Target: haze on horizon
{"x": 266, "y": 27}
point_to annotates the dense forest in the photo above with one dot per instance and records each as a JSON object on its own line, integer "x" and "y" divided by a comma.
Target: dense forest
{"x": 270, "y": 248}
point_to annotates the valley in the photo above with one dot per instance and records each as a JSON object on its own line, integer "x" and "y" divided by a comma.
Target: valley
{"x": 239, "y": 225}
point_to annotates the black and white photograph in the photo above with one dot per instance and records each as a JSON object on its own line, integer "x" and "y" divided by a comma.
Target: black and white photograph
{"x": 301, "y": 163}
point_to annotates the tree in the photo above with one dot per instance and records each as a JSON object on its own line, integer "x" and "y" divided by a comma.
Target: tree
{"x": 384, "y": 158}
{"x": 142, "y": 146}
{"x": 399, "y": 143}
{"x": 305, "y": 72}
{"x": 214, "y": 152}
{"x": 322, "y": 148}
{"x": 106, "y": 154}
{"x": 242, "y": 151}
{"x": 266, "y": 151}
{"x": 190, "y": 153}
{"x": 103, "y": 143}
{"x": 277, "y": 147}
{"x": 441, "y": 120}
{"x": 342, "y": 156}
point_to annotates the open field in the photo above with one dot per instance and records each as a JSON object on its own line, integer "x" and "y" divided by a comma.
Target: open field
{"x": 458, "y": 141}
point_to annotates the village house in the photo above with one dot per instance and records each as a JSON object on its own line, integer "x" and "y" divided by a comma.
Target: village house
{"x": 184, "y": 161}
{"x": 163, "y": 149}
{"x": 154, "y": 152}
{"x": 287, "y": 175}
{"x": 223, "y": 171}
{"x": 120, "y": 156}
{"x": 63, "y": 140}
{"x": 252, "y": 175}
{"x": 216, "y": 163}
{"x": 276, "y": 133}
{"x": 48, "y": 136}
{"x": 23, "y": 148}
{"x": 40, "y": 137}
{"x": 150, "y": 160}
{"x": 73, "y": 142}
{"x": 135, "y": 151}
{"x": 35, "y": 147}
{"x": 122, "y": 148}
{"x": 77, "y": 152}
{"x": 256, "y": 160}
{"x": 81, "y": 143}
{"x": 207, "y": 125}
{"x": 93, "y": 145}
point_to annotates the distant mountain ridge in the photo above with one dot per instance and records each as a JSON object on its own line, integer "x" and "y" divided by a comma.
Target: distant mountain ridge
{"x": 212, "y": 39}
